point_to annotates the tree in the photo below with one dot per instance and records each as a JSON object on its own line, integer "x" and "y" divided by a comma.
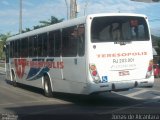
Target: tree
{"x": 37, "y": 27}
{"x": 26, "y": 30}
{"x": 51, "y": 21}
{"x": 3, "y": 38}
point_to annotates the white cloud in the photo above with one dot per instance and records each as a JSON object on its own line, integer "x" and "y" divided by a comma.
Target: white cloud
{"x": 32, "y": 14}
{"x": 9, "y": 17}
{"x": 27, "y": 3}
{"x": 43, "y": 12}
{"x": 35, "y": 12}
{"x": 113, "y": 6}
{"x": 8, "y": 13}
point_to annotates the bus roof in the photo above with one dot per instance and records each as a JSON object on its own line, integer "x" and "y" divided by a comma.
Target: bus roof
{"x": 68, "y": 23}
{"x": 60, "y": 25}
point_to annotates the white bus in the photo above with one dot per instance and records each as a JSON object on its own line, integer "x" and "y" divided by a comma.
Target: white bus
{"x": 96, "y": 53}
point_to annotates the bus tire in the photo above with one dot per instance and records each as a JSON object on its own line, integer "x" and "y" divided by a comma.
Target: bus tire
{"x": 47, "y": 86}
{"x": 14, "y": 83}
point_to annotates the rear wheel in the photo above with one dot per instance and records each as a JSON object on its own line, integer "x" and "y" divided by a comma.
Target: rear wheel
{"x": 47, "y": 87}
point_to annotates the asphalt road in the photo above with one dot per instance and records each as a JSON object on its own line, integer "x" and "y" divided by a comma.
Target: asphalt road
{"x": 26, "y": 103}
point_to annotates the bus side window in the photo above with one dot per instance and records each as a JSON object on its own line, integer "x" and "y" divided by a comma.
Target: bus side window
{"x": 7, "y": 53}
{"x": 81, "y": 40}
{"x": 24, "y": 47}
{"x": 16, "y": 48}
{"x": 58, "y": 43}
{"x": 12, "y": 49}
{"x": 69, "y": 42}
{"x": 33, "y": 46}
{"x": 30, "y": 47}
{"x": 51, "y": 43}
{"x": 42, "y": 45}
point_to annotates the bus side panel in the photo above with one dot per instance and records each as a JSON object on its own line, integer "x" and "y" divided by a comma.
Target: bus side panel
{"x": 74, "y": 76}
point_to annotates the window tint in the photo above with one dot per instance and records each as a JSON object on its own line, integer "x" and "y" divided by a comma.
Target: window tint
{"x": 33, "y": 46}
{"x": 30, "y": 47}
{"x": 54, "y": 44}
{"x": 7, "y": 53}
{"x": 45, "y": 42}
{"x": 15, "y": 49}
{"x": 108, "y": 29}
{"x": 58, "y": 43}
{"x": 50, "y": 44}
{"x": 42, "y": 45}
{"x": 18, "y": 48}
{"x": 81, "y": 40}
{"x": 11, "y": 49}
{"x": 69, "y": 41}
{"x": 24, "y": 47}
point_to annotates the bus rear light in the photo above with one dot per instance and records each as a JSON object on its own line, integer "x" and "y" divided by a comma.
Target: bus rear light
{"x": 94, "y": 73}
{"x": 150, "y": 69}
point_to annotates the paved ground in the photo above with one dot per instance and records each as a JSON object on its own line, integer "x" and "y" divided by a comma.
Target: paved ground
{"x": 29, "y": 103}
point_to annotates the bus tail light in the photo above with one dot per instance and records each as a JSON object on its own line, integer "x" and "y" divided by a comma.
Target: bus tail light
{"x": 150, "y": 69}
{"x": 94, "y": 73}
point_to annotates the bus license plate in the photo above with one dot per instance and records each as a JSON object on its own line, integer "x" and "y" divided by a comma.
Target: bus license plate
{"x": 123, "y": 73}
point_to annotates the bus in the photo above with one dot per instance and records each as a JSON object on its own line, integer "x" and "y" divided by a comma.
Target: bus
{"x": 91, "y": 54}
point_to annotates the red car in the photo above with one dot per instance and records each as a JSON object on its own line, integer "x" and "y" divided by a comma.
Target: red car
{"x": 156, "y": 69}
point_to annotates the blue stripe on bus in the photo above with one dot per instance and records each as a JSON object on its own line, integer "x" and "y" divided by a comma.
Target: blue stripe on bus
{"x": 36, "y": 73}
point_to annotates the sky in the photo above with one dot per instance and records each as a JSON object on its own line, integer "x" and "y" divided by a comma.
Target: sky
{"x": 38, "y": 10}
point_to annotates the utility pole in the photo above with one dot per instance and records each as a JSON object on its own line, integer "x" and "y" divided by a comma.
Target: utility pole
{"x": 20, "y": 16}
{"x": 73, "y": 9}
{"x": 67, "y": 9}
{"x": 85, "y": 7}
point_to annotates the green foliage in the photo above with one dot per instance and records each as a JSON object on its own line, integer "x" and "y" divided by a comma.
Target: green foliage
{"x": 52, "y": 20}
{"x": 26, "y": 30}
{"x": 3, "y": 38}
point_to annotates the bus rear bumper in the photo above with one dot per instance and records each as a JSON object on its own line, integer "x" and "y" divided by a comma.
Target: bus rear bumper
{"x": 110, "y": 86}
{"x": 146, "y": 82}
{"x": 119, "y": 86}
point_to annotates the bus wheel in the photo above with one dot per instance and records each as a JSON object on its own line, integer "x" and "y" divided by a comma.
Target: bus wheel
{"x": 14, "y": 83}
{"x": 47, "y": 86}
